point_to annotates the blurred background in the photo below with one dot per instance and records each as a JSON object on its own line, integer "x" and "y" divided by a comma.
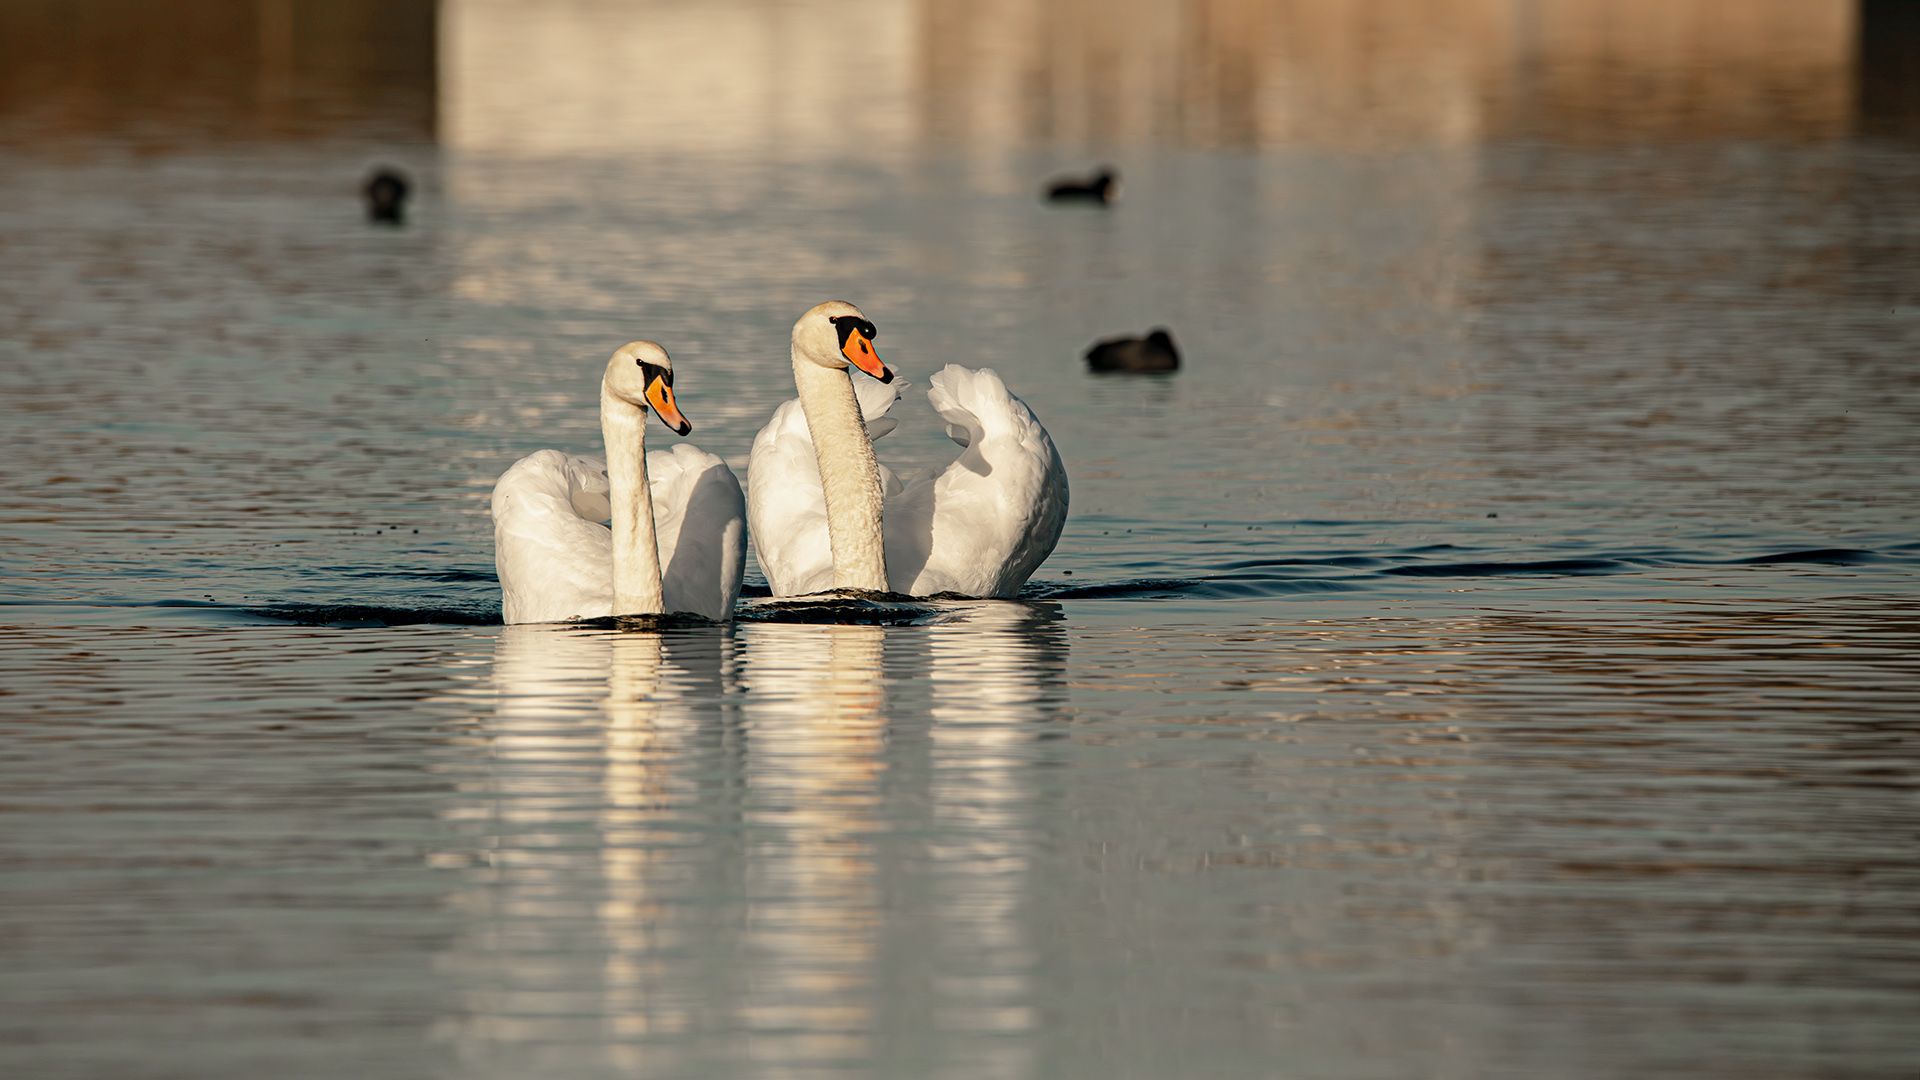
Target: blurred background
{"x": 601, "y": 77}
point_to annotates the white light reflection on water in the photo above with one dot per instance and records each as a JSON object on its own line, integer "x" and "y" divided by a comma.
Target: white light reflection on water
{"x": 760, "y": 799}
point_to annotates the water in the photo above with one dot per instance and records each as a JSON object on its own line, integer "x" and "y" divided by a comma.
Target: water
{"x": 1493, "y": 654}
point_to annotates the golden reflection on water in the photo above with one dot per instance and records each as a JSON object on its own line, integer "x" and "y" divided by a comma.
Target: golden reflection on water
{"x": 566, "y": 873}
{"x": 765, "y": 849}
{"x": 645, "y": 732}
{"x": 815, "y": 708}
{"x": 991, "y": 686}
{"x": 586, "y": 77}
{"x": 598, "y": 77}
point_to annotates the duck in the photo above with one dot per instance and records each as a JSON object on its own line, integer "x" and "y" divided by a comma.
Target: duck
{"x": 827, "y": 515}
{"x": 1100, "y": 188}
{"x": 1155, "y": 352}
{"x": 386, "y": 192}
{"x": 681, "y": 509}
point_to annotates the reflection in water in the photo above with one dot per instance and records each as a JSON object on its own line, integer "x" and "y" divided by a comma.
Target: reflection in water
{"x": 595, "y": 880}
{"x": 596, "y": 918}
{"x": 647, "y": 731}
{"x": 663, "y": 78}
{"x": 1654, "y": 833}
{"x": 997, "y": 672}
{"x": 815, "y": 708}
{"x": 493, "y": 76}
{"x": 530, "y": 79}
{"x": 164, "y": 73}
{"x": 530, "y": 885}
{"x": 1887, "y": 78}
{"x": 1252, "y": 72}
{"x": 1613, "y": 70}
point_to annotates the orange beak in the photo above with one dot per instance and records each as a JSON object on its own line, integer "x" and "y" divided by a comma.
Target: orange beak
{"x": 660, "y": 396}
{"x": 859, "y": 350}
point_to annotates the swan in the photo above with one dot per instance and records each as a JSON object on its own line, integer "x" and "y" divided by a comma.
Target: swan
{"x": 827, "y": 515}
{"x": 555, "y": 558}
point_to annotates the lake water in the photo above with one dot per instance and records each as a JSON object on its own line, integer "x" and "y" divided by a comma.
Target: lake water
{"x": 1494, "y": 653}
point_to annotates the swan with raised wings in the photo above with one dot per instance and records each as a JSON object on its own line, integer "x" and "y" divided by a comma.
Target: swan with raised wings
{"x": 827, "y": 515}
{"x": 680, "y": 508}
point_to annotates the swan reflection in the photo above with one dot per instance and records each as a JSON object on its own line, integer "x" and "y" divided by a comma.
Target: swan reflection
{"x": 995, "y": 672}
{"x": 815, "y": 712}
{"x": 585, "y": 858}
{"x": 696, "y": 844}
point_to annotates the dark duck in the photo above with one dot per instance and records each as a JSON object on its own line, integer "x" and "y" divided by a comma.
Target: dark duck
{"x": 1155, "y": 352}
{"x": 386, "y": 192}
{"x": 1099, "y": 188}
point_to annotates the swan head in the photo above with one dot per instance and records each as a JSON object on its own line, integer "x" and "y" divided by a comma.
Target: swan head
{"x": 835, "y": 334}
{"x": 641, "y": 374}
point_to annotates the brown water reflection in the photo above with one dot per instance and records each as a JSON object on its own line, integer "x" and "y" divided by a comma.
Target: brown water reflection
{"x": 596, "y": 77}
{"x": 178, "y": 74}
{"x": 1247, "y": 72}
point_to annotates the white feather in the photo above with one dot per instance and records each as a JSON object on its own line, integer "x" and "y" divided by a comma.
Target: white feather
{"x": 979, "y": 527}
{"x": 554, "y": 554}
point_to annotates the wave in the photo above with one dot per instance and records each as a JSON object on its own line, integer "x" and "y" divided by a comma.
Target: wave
{"x": 355, "y": 616}
{"x": 1338, "y": 572}
{"x": 1223, "y": 587}
{"x": 874, "y": 610}
{"x": 1817, "y": 556}
{"x": 847, "y": 606}
{"x": 1276, "y": 575}
{"x": 1556, "y": 567}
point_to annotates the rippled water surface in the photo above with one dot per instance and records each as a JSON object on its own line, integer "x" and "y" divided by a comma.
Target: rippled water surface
{"x": 1494, "y": 653}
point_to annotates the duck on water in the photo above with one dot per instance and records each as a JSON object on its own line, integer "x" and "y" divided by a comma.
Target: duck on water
{"x": 1155, "y": 352}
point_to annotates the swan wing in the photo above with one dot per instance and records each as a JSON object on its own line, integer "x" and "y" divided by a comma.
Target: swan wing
{"x": 554, "y": 560}
{"x": 700, "y": 525}
{"x": 985, "y": 523}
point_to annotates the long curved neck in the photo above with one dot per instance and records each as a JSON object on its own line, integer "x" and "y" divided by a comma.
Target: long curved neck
{"x": 848, "y": 472}
{"x": 636, "y": 555}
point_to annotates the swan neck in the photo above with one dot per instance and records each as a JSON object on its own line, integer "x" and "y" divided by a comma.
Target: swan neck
{"x": 636, "y": 554}
{"x": 849, "y": 475}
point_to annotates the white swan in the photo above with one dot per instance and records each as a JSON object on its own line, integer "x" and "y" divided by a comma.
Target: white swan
{"x": 555, "y": 558}
{"x": 827, "y": 515}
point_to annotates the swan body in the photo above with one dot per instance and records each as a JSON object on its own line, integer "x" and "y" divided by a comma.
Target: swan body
{"x": 558, "y": 561}
{"x": 980, "y": 527}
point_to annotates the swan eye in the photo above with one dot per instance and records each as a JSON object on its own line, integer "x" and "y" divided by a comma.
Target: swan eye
{"x": 847, "y": 326}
